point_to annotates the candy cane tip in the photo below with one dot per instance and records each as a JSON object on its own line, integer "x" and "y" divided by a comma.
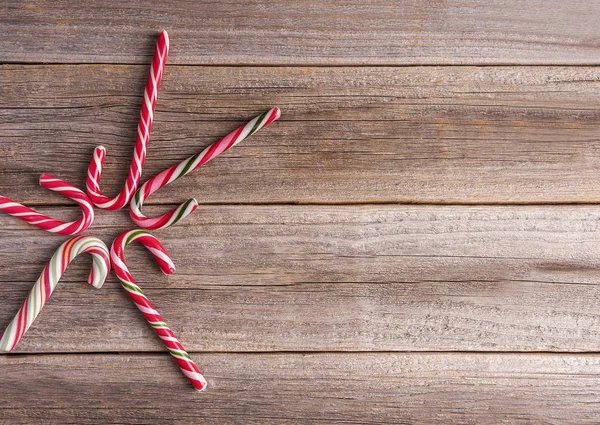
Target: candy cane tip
{"x": 193, "y": 206}
{"x": 203, "y": 384}
{"x": 45, "y": 176}
{"x": 277, "y": 112}
{"x": 167, "y": 268}
{"x": 165, "y": 34}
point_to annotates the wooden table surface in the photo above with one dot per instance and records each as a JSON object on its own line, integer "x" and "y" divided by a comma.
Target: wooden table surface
{"x": 416, "y": 240}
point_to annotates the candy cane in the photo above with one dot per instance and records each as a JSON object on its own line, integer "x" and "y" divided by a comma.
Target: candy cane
{"x": 141, "y": 143}
{"x": 186, "y": 364}
{"x": 186, "y": 167}
{"x": 41, "y": 291}
{"x": 43, "y": 221}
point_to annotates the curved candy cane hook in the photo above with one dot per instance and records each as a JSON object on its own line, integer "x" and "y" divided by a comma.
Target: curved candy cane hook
{"x": 41, "y": 291}
{"x": 43, "y": 221}
{"x": 186, "y": 167}
{"x": 141, "y": 143}
{"x": 185, "y": 363}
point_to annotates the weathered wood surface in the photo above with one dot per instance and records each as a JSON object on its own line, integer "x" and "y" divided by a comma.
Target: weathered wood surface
{"x": 312, "y": 388}
{"x": 424, "y": 134}
{"x": 315, "y": 313}
{"x": 317, "y": 278}
{"x": 307, "y": 32}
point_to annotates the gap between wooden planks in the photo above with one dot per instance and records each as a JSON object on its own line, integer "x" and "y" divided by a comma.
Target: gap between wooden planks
{"x": 347, "y": 135}
{"x": 331, "y": 278}
{"x": 304, "y": 32}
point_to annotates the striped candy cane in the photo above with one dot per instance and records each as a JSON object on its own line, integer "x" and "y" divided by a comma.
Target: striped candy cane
{"x": 41, "y": 291}
{"x": 186, "y": 167}
{"x": 49, "y": 224}
{"x": 141, "y": 143}
{"x": 185, "y": 363}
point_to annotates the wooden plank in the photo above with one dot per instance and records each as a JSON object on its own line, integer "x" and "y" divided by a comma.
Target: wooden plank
{"x": 304, "y": 32}
{"x": 308, "y": 388}
{"x": 320, "y": 278}
{"x": 433, "y": 135}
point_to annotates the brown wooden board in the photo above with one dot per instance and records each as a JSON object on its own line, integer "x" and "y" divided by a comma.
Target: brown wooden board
{"x": 303, "y": 32}
{"x": 327, "y": 278}
{"x": 358, "y": 135}
{"x": 302, "y": 388}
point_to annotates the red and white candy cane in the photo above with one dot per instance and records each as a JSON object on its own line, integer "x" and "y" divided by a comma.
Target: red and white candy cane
{"x": 141, "y": 143}
{"x": 186, "y": 167}
{"x": 41, "y": 291}
{"x": 49, "y": 224}
{"x": 185, "y": 363}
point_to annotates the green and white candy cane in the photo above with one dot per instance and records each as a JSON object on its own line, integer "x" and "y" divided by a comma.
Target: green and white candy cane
{"x": 41, "y": 291}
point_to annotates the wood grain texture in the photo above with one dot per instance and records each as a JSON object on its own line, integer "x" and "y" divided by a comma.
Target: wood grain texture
{"x": 345, "y": 314}
{"x": 291, "y": 388}
{"x": 326, "y": 278}
{"x": 418, "y": 135}
{"x": 304, "y": 32}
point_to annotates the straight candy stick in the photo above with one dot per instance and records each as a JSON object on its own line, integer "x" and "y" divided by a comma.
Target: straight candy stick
{"x": 182, "y": 358}
{"x": 141, "y": 143}
{"x": 49, "y": 224}
{"x": 41, "y": 291}
{"x": 186, "y": 167}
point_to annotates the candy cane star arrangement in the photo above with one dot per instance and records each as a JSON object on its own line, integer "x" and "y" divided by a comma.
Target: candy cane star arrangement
{"x": 42, "y": 289}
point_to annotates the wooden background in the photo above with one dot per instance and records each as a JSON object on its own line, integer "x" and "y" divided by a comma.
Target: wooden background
{"x": 417, "y": 240}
